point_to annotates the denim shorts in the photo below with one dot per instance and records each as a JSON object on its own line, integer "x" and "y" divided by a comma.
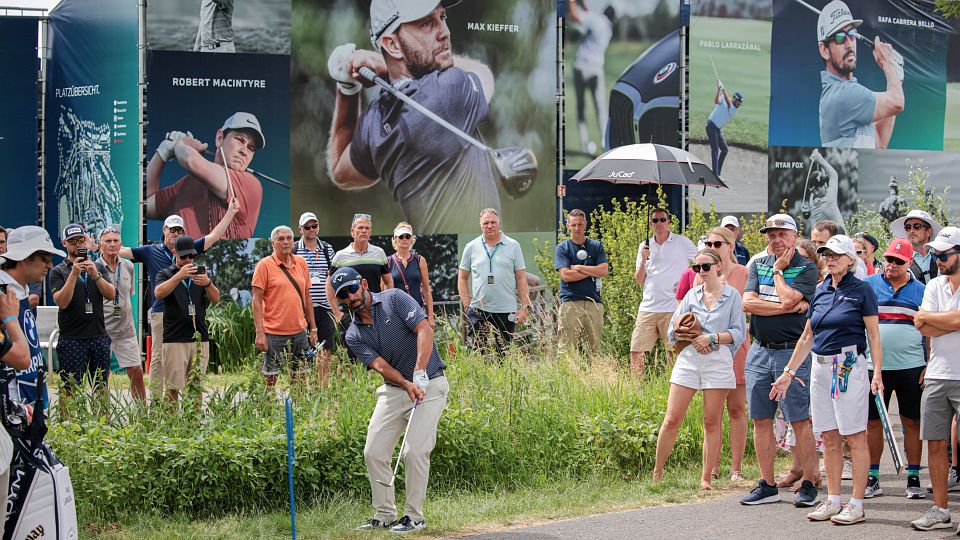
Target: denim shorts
{"x": 763, "y": 367}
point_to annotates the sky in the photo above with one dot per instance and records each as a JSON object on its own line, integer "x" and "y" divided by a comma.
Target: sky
{"x": 43, "y": 4}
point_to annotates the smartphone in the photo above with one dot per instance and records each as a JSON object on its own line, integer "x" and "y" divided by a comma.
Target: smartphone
{"x": 81, "y": 254}
{"x": 201, "y": 269}
{"x": 3, "y": 289}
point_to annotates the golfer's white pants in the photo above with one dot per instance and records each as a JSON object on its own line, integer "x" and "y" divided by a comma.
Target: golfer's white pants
{"x": 386, "y": 427}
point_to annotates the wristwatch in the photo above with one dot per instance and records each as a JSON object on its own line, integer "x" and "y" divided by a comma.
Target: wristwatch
{"x": 778, "y": 273}
{"x": 792, "y": 373}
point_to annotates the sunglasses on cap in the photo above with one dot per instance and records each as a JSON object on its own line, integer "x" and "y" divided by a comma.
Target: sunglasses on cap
{"x": 841, "y": 37}
{"x": 404, "y": 236}
{"x": 915, "y": 226}
{"x": 702, "y": 266}
{"x": 714, "y": 245}
{"x": 367, "y": 217}
{"x": 347, "y": 291}
{"x": 776, "y": 224}
{"x": 311, "y": 227}
{"x": 659, "y": 220}
{"x": 943, "y": 257}
{"x": 894, "y": 260}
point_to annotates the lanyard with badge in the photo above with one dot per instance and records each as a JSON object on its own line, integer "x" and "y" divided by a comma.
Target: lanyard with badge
{"x": 315, "y": 279}
{"x": 88, "y": 305}
{"x": 191, "y": 309}
{"x": 490, "y": 260}
{"x": 116, "y": 299}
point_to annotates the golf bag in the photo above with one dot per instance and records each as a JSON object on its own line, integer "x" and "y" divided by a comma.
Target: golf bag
{"x": 40, "y": 502}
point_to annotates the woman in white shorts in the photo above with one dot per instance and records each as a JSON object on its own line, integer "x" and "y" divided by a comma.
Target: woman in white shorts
{"x": 705, "y": 364}
{"x": 841, "y": 320}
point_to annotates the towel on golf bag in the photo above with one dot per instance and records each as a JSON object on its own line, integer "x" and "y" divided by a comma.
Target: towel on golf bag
{"x": 686, "y": 330}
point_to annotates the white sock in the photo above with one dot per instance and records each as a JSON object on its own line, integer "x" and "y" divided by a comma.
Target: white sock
{"x": 834, "y": 500}
{"x": 942, "y": 509}
{"x": 856, "y": 503}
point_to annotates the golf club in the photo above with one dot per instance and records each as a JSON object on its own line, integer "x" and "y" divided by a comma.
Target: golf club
{"x": 210, "y": 154}
{"x": 402, "y": 444}
{"x": 715, "y": 69}
{"x": 516, "y": 166}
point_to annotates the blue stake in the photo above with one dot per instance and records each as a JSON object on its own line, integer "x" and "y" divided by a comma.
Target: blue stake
{"x": 293, "y": 513}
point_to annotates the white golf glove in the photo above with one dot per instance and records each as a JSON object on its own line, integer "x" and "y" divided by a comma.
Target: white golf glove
{"x": 898, "y": 62}
{"x": 165, "y": 149}
{"x": 420, "y": 379}
{"x": 338, "y": 65}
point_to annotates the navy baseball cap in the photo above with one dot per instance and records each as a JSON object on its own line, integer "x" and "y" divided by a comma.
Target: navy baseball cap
{"x": 344, "y": 277}
{"x": 185, "y": 246}
{"x": 738, "y": 95}
{"x": 71, "y": 231}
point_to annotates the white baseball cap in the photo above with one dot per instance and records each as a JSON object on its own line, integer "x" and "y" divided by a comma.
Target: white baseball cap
{"x": 173, "y": 221}
{"x": 307, "y": 217}
{"x": 730, "y": 220}
{"x": 897, "y": 226}
{"x": 833, "y": 18}
{"x": 841, "y": 245}
{"x": 245, "y": 120}
{"x": 23, "y": 242}
{"x": 387, "y": 15}
{"x": 779, "y": 221}
{"x": 946, "y": 239}
{"x": 403, "y": 230}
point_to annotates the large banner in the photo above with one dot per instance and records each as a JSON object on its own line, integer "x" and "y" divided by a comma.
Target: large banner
{"x": 247, "y": 26}
{"x": 18, "y": 121}
{"x": 488, "y": 68}
{"x": 92, "y": 117}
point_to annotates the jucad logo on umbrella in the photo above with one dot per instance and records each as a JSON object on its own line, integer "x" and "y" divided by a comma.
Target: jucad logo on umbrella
{"x": 621, "y": 174}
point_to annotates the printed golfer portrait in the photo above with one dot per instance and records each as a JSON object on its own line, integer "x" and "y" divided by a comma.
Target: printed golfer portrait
{"x": 220, "y": 26}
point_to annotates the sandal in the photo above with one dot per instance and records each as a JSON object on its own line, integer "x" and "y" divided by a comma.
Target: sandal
{"x": 790, "y": 479}
{"x": 735, "y": 476}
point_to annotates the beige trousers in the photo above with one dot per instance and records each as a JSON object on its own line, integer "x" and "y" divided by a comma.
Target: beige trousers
{"x": 386, "y": 427}
{"x": 580, "y": 322}
{"x": 156, "y": 353}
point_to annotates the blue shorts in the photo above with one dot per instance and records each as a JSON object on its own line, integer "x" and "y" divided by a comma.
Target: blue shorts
{"x": 763, "y": 367}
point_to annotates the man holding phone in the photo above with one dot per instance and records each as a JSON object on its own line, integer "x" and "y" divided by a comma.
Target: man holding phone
{"x": 79, "y": 290}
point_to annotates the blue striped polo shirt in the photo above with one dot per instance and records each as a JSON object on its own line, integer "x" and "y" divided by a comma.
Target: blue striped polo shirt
{"x": 902, "y": 345}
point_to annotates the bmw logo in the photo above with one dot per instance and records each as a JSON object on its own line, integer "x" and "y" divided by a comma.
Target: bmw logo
{"x": 664, "y": 72}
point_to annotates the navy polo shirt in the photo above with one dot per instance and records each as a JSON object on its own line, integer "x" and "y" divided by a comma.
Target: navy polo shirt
{"x": 565, "y": 256}
{"x": 836, "y": 314}
{"x": 157, "y": 257}
{"x": 391, "y": 336}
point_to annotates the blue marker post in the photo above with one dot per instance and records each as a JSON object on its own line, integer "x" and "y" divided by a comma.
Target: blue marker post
{"x": 293, "y": 512}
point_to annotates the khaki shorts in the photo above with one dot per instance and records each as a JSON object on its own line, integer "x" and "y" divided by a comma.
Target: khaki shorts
{"x": 177, "y": 363}
{"x": 648, "y": 328}
{"x": 580, "y": 321}
{"x": 127, "y": 351}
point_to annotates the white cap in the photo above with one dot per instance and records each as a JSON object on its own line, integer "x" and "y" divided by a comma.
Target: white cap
{"x": 841, "y": 245}
{"x": 23, "y": 242}
{"x": 245, "y": 120}
{"x": 779, "y": 221}
{"x": 387, "y": 15}
{"x": 897, "y": 226}
{"x": 946, "y": 239}
{"x": 833, "y": 18}
{"x": 307, "y": 217}
{"x": 173, "y": 221}
{"x": 730, "y": 220}
{"x": 403, "y": 230}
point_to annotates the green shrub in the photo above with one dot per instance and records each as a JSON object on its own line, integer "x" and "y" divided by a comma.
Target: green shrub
{"x": 232, "y": 336}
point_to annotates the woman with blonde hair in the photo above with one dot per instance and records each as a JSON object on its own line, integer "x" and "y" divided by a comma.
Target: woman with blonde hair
{"x": 409, "y": 270}
{"x": 809, "y": 250}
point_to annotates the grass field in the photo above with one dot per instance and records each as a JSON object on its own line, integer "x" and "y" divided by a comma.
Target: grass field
{"x": 951, "y": 122}
{"x": 746, "y": 71}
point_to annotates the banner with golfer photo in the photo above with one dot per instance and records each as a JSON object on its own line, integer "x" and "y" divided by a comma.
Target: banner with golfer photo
{"x": 92, "y": 145}
{"x": 219, "y": 26}
{"x": 730, "y": 99}
{"x": 192, "y": 98}
{"x": 470, "y": 122}
{"x": 860, "y": 73}
{"x": 18, "y": 120}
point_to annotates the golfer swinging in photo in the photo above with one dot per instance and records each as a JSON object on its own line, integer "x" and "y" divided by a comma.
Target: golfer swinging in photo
{"x": 390, "y": 334}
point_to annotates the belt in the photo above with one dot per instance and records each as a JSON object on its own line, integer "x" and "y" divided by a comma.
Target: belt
{"x": 828, "y": 358}
{"x": 779, "y": 346}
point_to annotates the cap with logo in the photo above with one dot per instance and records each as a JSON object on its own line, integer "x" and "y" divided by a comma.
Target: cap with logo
{"x": 834, "y": 17}
{"x": 730, "y": 220}
{"x": 900, "y": 248}
{"x": 173, "y": 221}
{"x": 344, "y": 277}
{"x": 71, "y": 231}
{"x": 946, "y": 239}
{"x": 23, "y": 242}
{"x": 779, "y": 221}
{"x": 307, "y": 217}
{"x": 738, "y": 96}
{"x": 245, "y": 120}
{"x": 897, "y": 226}
{"x": 185, "y": 246}
{"x": 387, "y": 15}
{"x": 840, "y": 244}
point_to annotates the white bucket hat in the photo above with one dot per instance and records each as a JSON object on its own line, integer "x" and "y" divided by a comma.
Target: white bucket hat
{"x": 897, "y": 226}
{"x": 23, "y": 242}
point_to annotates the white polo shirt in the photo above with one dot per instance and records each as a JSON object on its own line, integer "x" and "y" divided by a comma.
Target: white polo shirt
{"x": 943, "y": 363}
{"x": 667, "y": 261}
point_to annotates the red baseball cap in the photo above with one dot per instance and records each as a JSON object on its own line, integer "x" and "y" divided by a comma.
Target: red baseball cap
{"x": 900, "y": 248}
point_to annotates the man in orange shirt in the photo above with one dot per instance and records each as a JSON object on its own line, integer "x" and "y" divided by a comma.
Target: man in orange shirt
{"x": 282, "y": 312}
{"x": 201, "y": 197}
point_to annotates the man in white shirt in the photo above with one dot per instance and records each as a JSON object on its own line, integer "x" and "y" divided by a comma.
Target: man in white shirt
{"x": 660, "y": 261}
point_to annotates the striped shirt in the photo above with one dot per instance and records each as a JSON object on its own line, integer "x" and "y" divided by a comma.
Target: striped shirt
{"x": 902, "y": 342}
{"x": 371, "y": 264}
{"x": 319, "y": 261}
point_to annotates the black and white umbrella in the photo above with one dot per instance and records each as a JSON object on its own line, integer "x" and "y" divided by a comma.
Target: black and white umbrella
{"x": 649, "y": 163}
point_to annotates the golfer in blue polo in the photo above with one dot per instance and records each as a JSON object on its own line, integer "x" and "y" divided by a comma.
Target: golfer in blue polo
{"x": 724, "y": 111}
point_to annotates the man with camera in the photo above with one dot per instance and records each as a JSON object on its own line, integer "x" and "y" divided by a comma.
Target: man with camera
{"x": 79, "y": 290}
{"x": 185, "y": 290}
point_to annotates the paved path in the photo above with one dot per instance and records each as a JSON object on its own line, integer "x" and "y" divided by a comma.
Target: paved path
{"x": 887, "y": 517}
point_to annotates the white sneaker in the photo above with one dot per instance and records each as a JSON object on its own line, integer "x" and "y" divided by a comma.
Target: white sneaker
{"x": 849, "y": 515}
{"x": 933, "y": 519}
{"x": 824, "y": 511}
{"x": 847, "y": 473}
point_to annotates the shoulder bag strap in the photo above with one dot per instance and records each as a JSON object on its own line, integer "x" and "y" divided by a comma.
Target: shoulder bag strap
{"x": 299, "y": 293}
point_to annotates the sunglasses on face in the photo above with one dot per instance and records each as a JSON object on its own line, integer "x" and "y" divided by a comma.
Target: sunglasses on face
{"x": 841, "y": 37}
{"x": 76, "y": 241}
{"x": 347, "y": 291}
{"x": 311, "y": 227}
{"x": 189, "y": 256}
{"x": 894, "y": 260}
{"x": 861, "y": 251}
{"x": 659, "y": 220}
{"x": 943, "y": 257}
{"x": 702, "y": 266}
{"x": 915, "y": 226}
{"x": 404, "y": 237}
{"x": 714, "y": 245}
{"x": 45, "y": 257}
{"x": 176, "y": 230}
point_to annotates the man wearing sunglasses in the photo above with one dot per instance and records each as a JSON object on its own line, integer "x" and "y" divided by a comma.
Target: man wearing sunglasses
{"x": 79, "y": 289}
{"x": 851, "y": 115}
{"x": 918, "y": 227}
{"x": 28, "y": 257}
{"x": 319, "y": 256}
{"x": 391, "y": 335}
{"x": 899, "y": 296}
{"x": 938, "y": 320}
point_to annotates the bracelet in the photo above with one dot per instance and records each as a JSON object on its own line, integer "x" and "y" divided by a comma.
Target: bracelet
{"x": 9, "y": 319}
{"x": 313, "y": 329}
{"x": 98, "y": 278}
{"x": 712, "y": 343}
